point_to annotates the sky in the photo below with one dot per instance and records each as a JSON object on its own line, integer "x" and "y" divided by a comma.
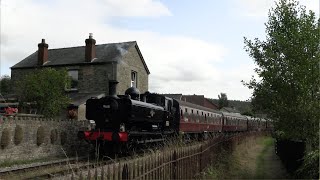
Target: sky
{"x": 190, "y": 46}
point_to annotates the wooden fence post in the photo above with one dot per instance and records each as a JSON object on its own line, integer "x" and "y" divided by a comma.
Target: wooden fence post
{"x": 200, "y": 159}
{"x": 102, "y": 172}
{"x": 125, "y": 172}
{"x": 174, "y": 165}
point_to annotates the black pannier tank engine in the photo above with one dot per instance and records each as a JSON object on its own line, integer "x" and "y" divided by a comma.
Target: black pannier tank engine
{"x": 123, "y": 118}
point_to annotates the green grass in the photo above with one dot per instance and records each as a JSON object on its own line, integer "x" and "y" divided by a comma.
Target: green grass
{"x": 261, "y": 157}
{"x": 246, "y": 162}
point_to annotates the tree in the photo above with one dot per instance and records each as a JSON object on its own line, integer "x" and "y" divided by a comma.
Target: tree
{"x": 288, "y": 71}
{"x": 223, "y": 100}
{"x": 5, "y": 85}
{"x": 45, "y": 87}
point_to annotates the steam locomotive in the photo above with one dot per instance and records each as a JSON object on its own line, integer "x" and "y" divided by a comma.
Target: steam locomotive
{"x": 134, "y": 118}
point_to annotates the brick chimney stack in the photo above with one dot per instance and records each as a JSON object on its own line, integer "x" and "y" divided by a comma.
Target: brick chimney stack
{"x": 90, "y": 53}
{"x": 42, "y": 52}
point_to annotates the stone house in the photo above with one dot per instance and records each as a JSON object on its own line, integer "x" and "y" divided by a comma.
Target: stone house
{"x": 90, "y": 67}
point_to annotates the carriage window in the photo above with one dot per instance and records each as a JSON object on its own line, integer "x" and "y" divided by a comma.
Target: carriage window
{"x": 197, "y": 112}
{"x": 186, "y": 110}
{"x": 181, "y": 112}
{"x": 202, "y": 113}
{"x": 192, "y": 111}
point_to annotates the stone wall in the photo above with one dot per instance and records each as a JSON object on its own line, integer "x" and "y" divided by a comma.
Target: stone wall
{"x": 34, "y": 137}
{"x": 132, "y": 62}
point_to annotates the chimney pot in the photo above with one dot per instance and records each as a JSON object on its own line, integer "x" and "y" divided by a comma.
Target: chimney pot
{"x": 42, "y": 52}
{"x": 90, "y": 51}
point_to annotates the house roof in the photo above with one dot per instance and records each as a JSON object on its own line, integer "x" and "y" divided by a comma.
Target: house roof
{"x": 174, "y": 96}
{"x": 229, "y": 109}
{"x": 195, "y": 99}
{"x": 111, "y": 52}
{"x": 208, "y": 100}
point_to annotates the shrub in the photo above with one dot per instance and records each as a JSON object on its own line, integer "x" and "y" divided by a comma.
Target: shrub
{"x": 54, "y": 136}
{"x": 18, "y": 135}
{"x": 5, "y": 138}
{"x": 41, "y": 134}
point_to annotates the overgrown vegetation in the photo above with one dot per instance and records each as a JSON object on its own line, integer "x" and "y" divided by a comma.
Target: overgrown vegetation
{"x": 46, "y": 89}
{"x": 289, "y": 73}
{"x": 5, "y": 85}
{"x": 223, "y": 100}
{"x": 246, "y": 162}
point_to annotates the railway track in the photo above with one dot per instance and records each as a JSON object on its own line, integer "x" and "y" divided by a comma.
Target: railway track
{"x": 53, "y": 169}
{"x": 45, "y": 169}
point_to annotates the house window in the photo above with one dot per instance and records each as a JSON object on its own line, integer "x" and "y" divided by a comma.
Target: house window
{"x": 73, "y": 74}
{"x": 133, "y": 79}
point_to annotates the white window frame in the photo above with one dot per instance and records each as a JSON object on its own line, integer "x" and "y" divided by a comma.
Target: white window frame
{"x": 134, "y": 79}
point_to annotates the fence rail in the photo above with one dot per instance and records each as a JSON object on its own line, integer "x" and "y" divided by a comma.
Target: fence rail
{"x": 178, "y": 163}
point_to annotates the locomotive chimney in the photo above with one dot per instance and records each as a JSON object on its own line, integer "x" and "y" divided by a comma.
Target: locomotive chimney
{"x": 113, "y": 88}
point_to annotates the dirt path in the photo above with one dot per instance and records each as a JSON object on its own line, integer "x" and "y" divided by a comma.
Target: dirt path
{"x": 270, "y": 166}
{"x": 254, "y": 158}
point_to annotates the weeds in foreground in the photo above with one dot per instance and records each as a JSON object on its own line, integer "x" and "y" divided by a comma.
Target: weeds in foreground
{"x": 240, "y": 164}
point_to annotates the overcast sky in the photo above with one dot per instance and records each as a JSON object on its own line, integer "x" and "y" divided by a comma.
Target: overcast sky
{"x": 190, "y": 46}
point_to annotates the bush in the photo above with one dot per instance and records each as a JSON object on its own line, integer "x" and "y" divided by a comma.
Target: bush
{"x": 41, "y": 134}
{"x": 310, "y": 166}
{"x": 54, "y": 136}
{"x": 5, "y": 138}
{"x": 18, "y": 135}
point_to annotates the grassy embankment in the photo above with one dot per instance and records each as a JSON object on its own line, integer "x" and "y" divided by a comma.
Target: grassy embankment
{"x": 249, "y": 160}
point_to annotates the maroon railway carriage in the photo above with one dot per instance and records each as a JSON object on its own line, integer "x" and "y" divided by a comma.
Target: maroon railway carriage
{"x": 195, "y": 119}
{"x": 234, "y": 122}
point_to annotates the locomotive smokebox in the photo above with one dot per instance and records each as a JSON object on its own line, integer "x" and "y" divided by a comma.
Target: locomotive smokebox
{"x": 113, "y": 88}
